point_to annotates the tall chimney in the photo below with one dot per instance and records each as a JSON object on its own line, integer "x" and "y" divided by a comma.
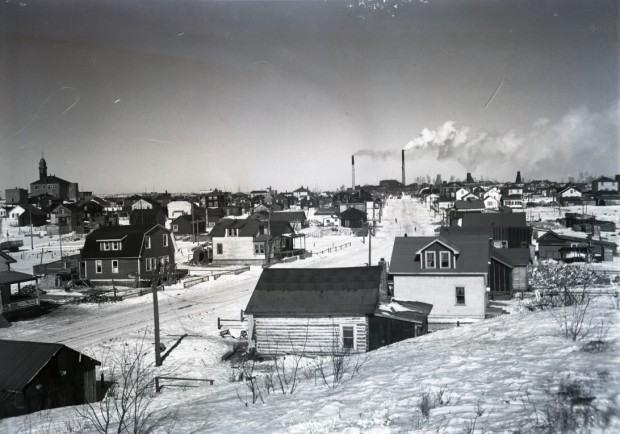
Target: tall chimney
{"x": 403, "y": 159}
{"x": 353, "y": 170}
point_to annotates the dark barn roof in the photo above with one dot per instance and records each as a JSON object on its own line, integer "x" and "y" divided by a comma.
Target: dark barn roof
{"x": 512, "y": 257}
{"x": 26, "y": 361}
{"x": 288, "y": 216}
{"x": 316, "y": 291}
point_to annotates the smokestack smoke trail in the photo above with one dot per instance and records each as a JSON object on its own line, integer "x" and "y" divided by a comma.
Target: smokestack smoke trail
{"x": 403, "y": 160}
{"x": 353, "y": 170}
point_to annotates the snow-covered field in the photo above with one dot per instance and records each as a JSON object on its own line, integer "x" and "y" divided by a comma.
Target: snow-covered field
{"x": 500, "y": 375}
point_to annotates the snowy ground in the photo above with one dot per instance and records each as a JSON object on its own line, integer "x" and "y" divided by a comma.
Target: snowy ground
{"x": 500, "y": 375}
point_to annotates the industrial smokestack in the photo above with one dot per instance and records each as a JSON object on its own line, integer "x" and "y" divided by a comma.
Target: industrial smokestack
{"x": 353, "y": 170}
{"x": 403, "y": 159}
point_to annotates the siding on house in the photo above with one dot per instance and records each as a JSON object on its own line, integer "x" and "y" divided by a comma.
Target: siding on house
{"x": 440, "y": 291}
{"x": 310, "y": 335}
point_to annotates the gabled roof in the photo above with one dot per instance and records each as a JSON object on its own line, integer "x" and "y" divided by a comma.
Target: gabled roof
{"x": 501, "y": 220}
{"x": 288, "y": 216}
{"x": 441, "y": 240}
{"x": 353, "y": 214}
{"x": 132, "y": 236}
{"x": 26, "y": 360}
{"x": 249, "y": 227}
{"x": 473, "y": 257}
{"x": 316, "y": 291}
{"x": 604, "y": 179}
{"x": 301, "y": 190}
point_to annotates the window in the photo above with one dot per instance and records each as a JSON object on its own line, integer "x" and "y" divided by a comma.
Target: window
{"x": 115, "y": 266}
{"x": 98, "y": 267}
{"x": 147, "y": 242}
{"x": 165, "y": 240}
{"x": 175, "y": 228}
{"x": 115, "y": 245}
{"x": 151, "y": 264}
{"x": 220, "y": 249}
{"x": 148, "y": 264}
{"x": 430, "y": 260}
{"x": 460, "y": 295}
{"x": 259, "y": 249}
{"x": 444, "y": 259}
{"x": 106, "y": 246}
{"x": 347, "y": 334}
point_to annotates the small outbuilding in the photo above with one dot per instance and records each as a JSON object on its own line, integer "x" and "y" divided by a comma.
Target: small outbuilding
{"x": 327, "y": 310}
{"x": 38, "y": 376}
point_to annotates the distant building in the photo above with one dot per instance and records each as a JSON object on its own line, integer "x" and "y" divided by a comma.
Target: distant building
{"x": 16, "y": 196}
{"x": 54, "y": 186}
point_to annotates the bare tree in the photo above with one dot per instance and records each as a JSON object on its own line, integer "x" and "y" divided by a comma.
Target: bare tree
{"x": 128, "y": 406}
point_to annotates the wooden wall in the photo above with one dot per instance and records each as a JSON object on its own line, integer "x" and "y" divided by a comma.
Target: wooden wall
{"x": 311, "y": 335}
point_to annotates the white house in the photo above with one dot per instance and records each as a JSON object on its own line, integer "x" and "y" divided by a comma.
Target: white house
{"x": 449, "y": 273}
{"x": 15, "y": 214}
{"x": 491, "y": 202}
{"x": 461, "y": 193}
{"x": 178, "y": 208}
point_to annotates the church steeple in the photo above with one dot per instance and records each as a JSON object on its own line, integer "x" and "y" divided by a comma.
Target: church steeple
{"x": 42, "y": 169}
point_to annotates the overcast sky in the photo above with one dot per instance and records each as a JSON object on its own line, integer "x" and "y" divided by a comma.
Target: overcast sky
{"x": 180, "y": 95}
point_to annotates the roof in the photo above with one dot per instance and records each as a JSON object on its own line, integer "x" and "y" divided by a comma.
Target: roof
{"x": 512, "y": 257}
{"x": 604, "y": 179}
{"x": 288, "y": 216}
{"x": 563, "y": 237}
{"x": 7, "y": 259}
{"x": 353, "y": 214}
{"x": 50, "y": 179}
{"x": 501, "y": 220}
{"x": 26, "y": 361}
{"x": 8, "y": 277}
{"x": 132, "y": 236}
{"x": 409, "y": 311}
{"x": 249, "y": 227}
{"x": 469, "y": 204}
{"x": 473, "y": 256}
{"x": 350, "y": 291}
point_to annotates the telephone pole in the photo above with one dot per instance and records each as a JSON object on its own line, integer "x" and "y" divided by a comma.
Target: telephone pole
{"x": 156, "y": 316}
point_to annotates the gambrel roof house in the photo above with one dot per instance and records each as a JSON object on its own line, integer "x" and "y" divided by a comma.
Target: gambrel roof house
{"x": 451, "y": 273}
{"x": 297, "y": 219}
{"x": 322, "y": 310}
{"x": 123, "y": 253}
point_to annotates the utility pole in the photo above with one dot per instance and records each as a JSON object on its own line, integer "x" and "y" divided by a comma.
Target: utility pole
{"x": 31, "y": 240}
{"x": 370, "y": 235}
{"x": 156, "y": 316}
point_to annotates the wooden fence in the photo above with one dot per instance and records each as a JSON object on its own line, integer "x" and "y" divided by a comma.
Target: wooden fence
{"x": 189, "y": 282}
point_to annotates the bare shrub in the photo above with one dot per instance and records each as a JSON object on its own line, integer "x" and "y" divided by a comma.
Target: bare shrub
{"x": 572, "y": 319}
{"x": 339, "y": 364}
{"x": 599, "y": 344}
{"x": 128, "y": 406}
{"x": 246, "y": 373}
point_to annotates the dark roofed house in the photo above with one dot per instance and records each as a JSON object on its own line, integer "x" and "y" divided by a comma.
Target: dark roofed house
{"x": 297, "y": 219}
{"x": 574, "y": 249}
{"x": 39, "y": 376}
{"x": 353, "y": 218}
{"x": 188, "y": 225}
{"x": 326, "y": 310}
{"x": 125, "y": 254}
{"x": 154, "y": 216}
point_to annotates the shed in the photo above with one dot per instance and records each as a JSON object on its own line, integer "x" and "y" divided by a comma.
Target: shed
{"x": 41, "y": 375}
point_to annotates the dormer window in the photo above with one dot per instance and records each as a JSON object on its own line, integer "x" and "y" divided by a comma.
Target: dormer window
{"x": 430, "y": 260}
{"x": 444, "y": 259}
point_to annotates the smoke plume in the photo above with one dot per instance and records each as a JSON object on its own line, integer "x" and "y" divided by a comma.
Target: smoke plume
{"x": 581, "y": 139}
{"x": 377, "y": 155}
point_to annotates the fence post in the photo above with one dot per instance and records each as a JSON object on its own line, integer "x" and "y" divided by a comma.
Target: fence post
{"x": 157, "y": 388}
